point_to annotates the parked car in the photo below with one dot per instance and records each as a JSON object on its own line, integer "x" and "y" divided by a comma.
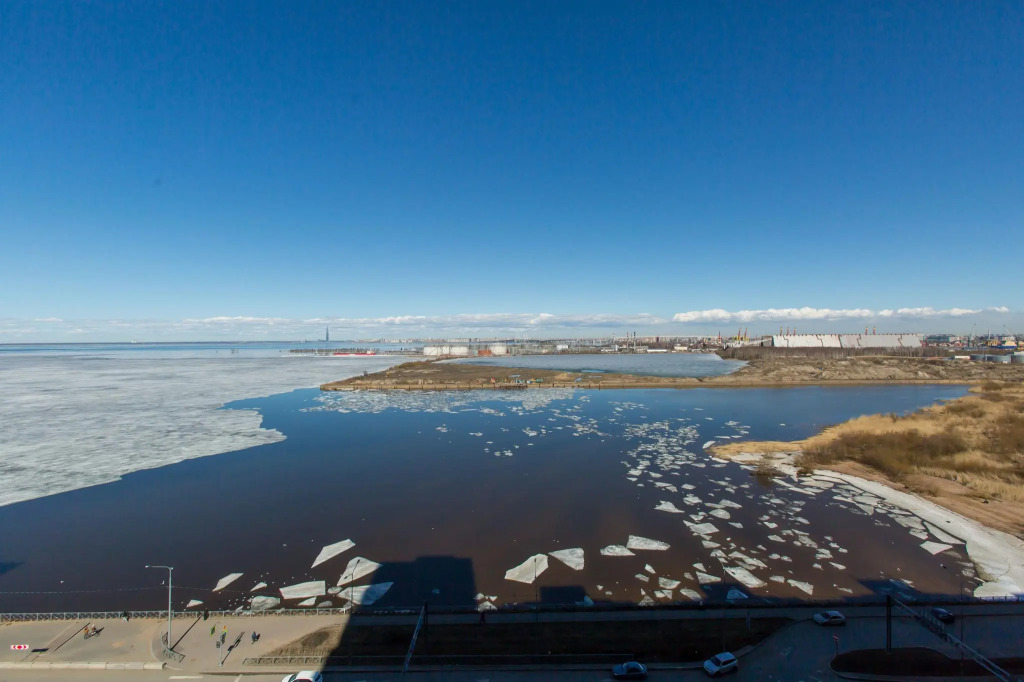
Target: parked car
{"x": 305, "y": 676}
{"x": 943, "y": 615}
{"x": 830, "y": 618}
{"x": 630, "y": 671}
{"x": 721, "y": 664}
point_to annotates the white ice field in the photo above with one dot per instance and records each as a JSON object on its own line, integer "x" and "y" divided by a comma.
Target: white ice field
{"x": 70, "y": 421}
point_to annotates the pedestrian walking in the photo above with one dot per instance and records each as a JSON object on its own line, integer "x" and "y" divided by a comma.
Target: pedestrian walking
{"x": 255, "y": 637}
{"x": 213, "y": 629}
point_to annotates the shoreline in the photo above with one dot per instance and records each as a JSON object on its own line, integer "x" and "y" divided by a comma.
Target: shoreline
{"x": 779, "y": 372}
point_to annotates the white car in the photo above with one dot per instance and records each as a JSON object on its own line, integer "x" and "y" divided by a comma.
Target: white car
{"x": 305, "y": 676}
{"x": 830, "y": 618}
{"x": 721, "y": 664}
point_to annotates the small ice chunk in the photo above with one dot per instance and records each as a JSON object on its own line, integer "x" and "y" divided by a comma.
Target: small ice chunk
{"x": 325, "y": 604}
{"x": 258, "y": 586}
{"x": 365, "y": 594}
{"x": 720, "y": 514}
{"x": 702, "y": 528}
{"x": 226, "y": 580}
{"x": 637, "y": 542}
{"x": 616, "y": 550}
{"x": 641, "y": 577}
{"x": 573, "y": 557}
{"x": 663, "y": 594}
{"x": 708, "y": 445}
{"x": 313, "y": 588}
{"x": 192, "y": 603}
{"x": 333, "y": 590}
{"x": 356, "y": 569}
{"x": 805, "y": 587}
{"x": 699, "y": 566}
{"x": 668, "y": 583}
{"x": 838, "y": 566}
{"x": 777, "y": 578}
{"x": 331, "y": 551}
{"x": 735, "y": 594}
{"x": 263, "y": 603}
{"x": 649, "y": 569}
{"x": 669, "y": 507}
{"x": 690, "y": 594}
{"x": 307, "y": 602}
{"x": 705, "y": 579}
{"x": 528, "y": 571}
{"x": 935, "y": 547}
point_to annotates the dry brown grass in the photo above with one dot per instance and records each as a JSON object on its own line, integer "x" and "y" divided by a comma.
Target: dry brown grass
{"x": 976, "y": 441}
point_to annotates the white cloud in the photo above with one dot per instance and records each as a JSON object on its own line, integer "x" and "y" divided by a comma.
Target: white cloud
{"x": 807, "y": 313}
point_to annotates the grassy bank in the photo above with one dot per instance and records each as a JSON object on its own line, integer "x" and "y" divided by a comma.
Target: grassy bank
{"x": 964, "y": 453}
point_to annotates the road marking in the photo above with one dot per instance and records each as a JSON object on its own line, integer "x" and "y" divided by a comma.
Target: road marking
{"x": 190, "y": 677}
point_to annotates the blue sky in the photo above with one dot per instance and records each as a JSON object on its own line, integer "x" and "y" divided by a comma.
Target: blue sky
{"x": 173, "y": 170}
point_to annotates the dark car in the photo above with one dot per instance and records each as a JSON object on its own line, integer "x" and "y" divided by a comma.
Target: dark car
{"x": 943, "y": 615}
{"x": 630, "y": 671}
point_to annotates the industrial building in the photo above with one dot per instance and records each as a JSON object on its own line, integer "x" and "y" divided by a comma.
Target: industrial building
{"x": 848, "y": 341}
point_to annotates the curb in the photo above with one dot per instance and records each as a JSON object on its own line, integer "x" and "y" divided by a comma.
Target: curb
{"x": 82, "y": 665}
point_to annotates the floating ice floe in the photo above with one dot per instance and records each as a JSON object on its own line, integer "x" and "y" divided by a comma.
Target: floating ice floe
{"x": 193, "y": 603}
{"x": 637, "y": 542}
{"x": 805, "y": 587}
{"x": 528, "y": 571}
{"x": 258, "y": 586}
{"x": 365, "y": 595}
{"x": 616, "y": 550}
{"x": 331, "y": 551}
{"x": 707, "y": 579}
{"x": 263, "y": 603}
{"x": 313, "y": 588}
{"x": 942, "y": 536}
{"x": 691, "y": 594}
{"x": 573, "y": 557}
{"x": 735, "y": 594}
{"x": 356, "y": 569}
{"x": 663, "y": 594}
{"x": 642, "y": 578}
{"x": 744, "y": 576}
{"x": 486, "y": 606}
{"x": 669, "y": 507}
{"x": 721, "y": 514}
{"x": 307, "y": 602}
{"x": 226, "y": 580}
{"x": 702, "y": 528}
{"x": 935, "y": 547}
{"x": 708, "y": 445}
{"x": 649, "y": 569}
{"x": 668, "y": 583}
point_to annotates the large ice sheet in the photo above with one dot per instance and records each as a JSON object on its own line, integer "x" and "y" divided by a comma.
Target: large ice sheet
{"x": 744, "y": 576}
{"x": 528, "y": 571}
{"x": 356, "y": 569}
{"x": 573, "y": 557}
{"x": 331, "y": 551}
{"x": 264, "y": 603}
{"x": 113, "y": 413}
{"x": 313, "y": 588}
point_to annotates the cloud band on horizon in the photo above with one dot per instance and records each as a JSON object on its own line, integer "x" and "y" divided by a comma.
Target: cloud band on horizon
{"x": 807, "y": 313}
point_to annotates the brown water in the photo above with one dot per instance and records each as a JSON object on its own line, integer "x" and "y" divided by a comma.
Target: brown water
{"x": 446, "y": 512}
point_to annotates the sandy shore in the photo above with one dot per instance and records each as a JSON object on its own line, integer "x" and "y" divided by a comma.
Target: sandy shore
{"x": 964, "y": 455}
{"x": 431, "y": 375}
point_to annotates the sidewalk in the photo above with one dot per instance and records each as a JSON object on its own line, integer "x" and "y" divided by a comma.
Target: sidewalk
{"x": 137, "y": 645}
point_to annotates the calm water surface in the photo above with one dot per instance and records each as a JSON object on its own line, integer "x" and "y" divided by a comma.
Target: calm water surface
{"x": 448, "y": 491}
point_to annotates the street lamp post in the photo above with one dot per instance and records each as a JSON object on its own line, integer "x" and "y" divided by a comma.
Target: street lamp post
{"x": 170, "y": 573}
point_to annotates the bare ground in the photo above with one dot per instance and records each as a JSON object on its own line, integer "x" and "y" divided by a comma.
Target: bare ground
{"x": 432, "y": 375}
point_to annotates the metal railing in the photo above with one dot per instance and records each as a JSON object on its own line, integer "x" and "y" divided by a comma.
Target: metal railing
{"x": 169, "y": 652}
{"x": 936, "y": 626}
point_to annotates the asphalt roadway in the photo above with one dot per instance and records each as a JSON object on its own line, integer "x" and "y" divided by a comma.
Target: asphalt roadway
{"x": 801, "y": 651}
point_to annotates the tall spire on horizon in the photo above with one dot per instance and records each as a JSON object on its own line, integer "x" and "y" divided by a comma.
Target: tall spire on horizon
{"x": 327, "y": 334}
